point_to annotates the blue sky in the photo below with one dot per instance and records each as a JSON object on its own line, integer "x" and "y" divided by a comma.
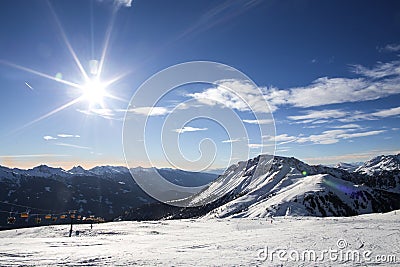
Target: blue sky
{"x": 330, "y": 71}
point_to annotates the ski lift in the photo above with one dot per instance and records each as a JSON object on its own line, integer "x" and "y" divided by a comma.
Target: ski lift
{"x": 47, "y": 217}
{"x": 11, "y": 220}
{"x": 24, "y": 215}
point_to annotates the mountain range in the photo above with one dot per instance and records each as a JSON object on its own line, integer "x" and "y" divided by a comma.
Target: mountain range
{"x": 289, "y": 187}
{"x": 104, "y": 191}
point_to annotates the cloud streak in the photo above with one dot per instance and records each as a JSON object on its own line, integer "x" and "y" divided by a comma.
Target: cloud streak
{"x": 68, "y": 135}
{"x": 49, "y": 137}
{"x": 189, "y": 129}
{"x": 258, "y": 121}
{"x": 391, "y": 48}
{"x": 380, "y": 81}
{"x": 149, "y": 111}
{"x": 72, "y": 146}
{"x": 320, "y": 116}
{"x": 124, "y": 3}
{"x": 334, "y": 136}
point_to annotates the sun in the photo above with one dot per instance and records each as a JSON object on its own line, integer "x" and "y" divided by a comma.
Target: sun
{"x": 94, "y": 91}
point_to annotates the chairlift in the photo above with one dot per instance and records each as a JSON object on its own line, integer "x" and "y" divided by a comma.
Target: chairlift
{"x": 11, "y": 220}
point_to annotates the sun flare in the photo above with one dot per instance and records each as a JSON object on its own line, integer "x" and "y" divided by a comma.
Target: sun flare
{"x": 94, "y": 92}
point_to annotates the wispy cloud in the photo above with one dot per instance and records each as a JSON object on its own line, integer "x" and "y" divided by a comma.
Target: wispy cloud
{"x": 334, "y": 136}
{"x": 390, "y": 48}
{"x": 68, "y": 135}
{"x": 105, "y": 113}
{"x": 377, "y": 82}
{"x": 234, "y": 94}
{"x": 232, "y": 140}
{"x": 374, "y": 83}
{"x": 125, "y": 3}
{"x": 150, "y": 111}
{"x": 312, "y": 115}
{"x": 49, "y": 137}
{"x": 279, "y": 138}
{"x": 72, "y": 145}
{"x": 386, "y": 112}
{"x": 258, "y": 121}
{"x": 383, "y": 113}
{"x": 346, "y": 126}
{"x": 189, "y": 129}
{"x": 349, "y": 131}
{"x": 319, "y": 116}
{"x": 255, "y": 146}
{"x": 118, "y": 3}
{"x": 381, "y": 70}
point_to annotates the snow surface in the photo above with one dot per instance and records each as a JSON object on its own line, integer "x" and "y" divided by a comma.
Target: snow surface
{"x": 350, "y": 167}
{"x": 379, "y": 164}
{"x": 213, "y": 242}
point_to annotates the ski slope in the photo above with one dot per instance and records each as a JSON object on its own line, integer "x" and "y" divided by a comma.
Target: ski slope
{"x": 205, "y": 242}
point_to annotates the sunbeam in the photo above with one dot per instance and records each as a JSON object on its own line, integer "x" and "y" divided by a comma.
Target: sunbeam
{"x": 67, "y": 43}
{"x": 107, "y": 41}
{"x": 54, "y": 111}
{"x": 41, "y": 74}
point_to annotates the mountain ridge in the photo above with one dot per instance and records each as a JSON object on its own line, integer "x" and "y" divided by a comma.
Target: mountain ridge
{"x": 288, "y": 187}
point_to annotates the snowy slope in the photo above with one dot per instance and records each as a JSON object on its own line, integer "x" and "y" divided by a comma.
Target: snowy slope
{"x": 228, "y": 242}
{"x": 315, "y": 195}
{"x": 292, "y": 187}
{"x": 350, "y": 167}
{"x": 379, "y": 164}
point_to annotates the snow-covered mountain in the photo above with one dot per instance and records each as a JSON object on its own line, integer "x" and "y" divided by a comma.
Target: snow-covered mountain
{"x": 260, "y": 187}
{"x": 288, "y": 187}
{"x": 350, "y": 167}
{"x": 105, "y": 191}
{"x": 380, "y": 164}
{"x": 293, "y": 187}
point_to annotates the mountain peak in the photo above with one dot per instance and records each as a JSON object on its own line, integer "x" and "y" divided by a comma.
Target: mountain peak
{"x": 77, "y": 170}
{"x": 379, "y": 164}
